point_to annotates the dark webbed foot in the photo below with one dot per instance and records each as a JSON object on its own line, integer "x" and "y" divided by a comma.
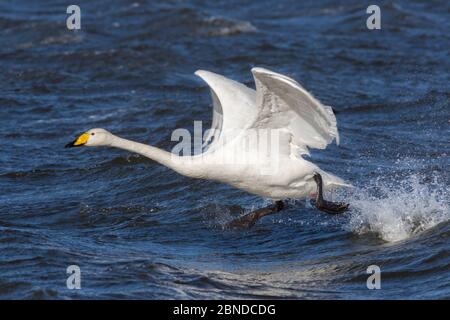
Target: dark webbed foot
{"x": 324, "y": 205}
{"x": 248, "y": 220}
{"x": 332, "y": 207}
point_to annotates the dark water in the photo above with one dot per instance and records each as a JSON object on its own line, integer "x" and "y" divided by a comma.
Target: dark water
{"x": 139, "y": 230}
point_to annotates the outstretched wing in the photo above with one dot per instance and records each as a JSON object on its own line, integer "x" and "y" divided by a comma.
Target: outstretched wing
{"x": 284, "y": 104}
{"x": 278, "y": 103}
{"x": 233, "y": 106}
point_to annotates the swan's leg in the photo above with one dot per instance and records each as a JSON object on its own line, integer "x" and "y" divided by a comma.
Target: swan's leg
{"x": 248, "y": 220}
{"x": 324, "y": 205}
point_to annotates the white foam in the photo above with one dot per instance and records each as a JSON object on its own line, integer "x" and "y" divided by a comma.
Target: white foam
{"x": 400, "y": 209}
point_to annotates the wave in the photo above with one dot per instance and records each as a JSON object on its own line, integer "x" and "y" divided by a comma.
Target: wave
{"x": 219, "y": 26}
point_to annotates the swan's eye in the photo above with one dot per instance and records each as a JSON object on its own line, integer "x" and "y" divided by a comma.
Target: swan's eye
{"x": 93, "y": 134}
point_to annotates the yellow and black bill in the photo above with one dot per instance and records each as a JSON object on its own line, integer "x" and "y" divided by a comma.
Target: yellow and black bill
{"x": 78, "y": 142}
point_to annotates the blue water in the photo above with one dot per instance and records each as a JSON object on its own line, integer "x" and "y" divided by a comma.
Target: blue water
{"x": 139, "y": 230}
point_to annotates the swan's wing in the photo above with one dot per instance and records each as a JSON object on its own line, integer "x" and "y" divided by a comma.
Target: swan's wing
{"x": 233, "y": 106}
{"x": 284, "y": 104}
{"x": 216, "y": 124}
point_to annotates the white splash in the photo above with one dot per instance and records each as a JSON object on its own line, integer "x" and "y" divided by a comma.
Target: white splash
{"x": 399, "y": 210}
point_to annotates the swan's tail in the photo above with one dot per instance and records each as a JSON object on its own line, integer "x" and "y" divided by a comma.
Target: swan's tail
{"x": 331, "y": 181}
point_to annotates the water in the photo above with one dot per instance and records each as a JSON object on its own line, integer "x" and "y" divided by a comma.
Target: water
{"x": 139, "y": 230}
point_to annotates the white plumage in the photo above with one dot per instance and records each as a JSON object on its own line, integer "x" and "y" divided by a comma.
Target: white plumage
{"x": 257, "y": 138}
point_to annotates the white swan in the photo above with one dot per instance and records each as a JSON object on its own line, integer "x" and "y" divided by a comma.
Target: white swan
{"x": 281, "y": 113}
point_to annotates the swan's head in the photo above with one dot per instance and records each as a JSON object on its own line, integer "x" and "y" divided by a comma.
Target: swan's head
{"x": 92, "y": 138}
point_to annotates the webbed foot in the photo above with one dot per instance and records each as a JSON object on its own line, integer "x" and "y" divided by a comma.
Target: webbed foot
{"x": 248, "y": 220}
{"x": 324, "y": 205}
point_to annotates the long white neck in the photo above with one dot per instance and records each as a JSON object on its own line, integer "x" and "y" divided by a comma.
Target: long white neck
{"x": 183, "y": 165}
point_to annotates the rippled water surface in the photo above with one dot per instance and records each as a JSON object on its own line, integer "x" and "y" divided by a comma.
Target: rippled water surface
{"x": 139, "y": 230}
